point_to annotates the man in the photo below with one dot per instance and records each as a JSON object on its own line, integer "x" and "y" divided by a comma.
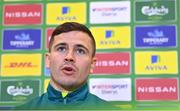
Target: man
{"x": 71, "y": 59}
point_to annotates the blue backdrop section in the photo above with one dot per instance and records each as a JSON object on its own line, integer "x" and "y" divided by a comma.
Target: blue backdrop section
{"x": 27, "y": 39}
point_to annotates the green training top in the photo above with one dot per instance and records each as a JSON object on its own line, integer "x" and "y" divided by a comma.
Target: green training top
{"x": 53, "y": 99}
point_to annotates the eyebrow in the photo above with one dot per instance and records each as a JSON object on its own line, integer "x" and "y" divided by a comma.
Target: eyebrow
{"x": 79, "y": 45}
{"x": 59, "y": 44}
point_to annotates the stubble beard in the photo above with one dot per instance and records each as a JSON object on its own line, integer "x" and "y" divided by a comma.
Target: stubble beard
{"x": 65, "y": 85}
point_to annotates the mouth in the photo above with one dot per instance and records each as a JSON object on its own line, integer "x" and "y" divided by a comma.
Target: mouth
{"x": 68, "y": 70}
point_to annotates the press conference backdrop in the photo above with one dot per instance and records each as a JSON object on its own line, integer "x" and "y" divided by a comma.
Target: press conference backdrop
{"x": 137, "y": 49}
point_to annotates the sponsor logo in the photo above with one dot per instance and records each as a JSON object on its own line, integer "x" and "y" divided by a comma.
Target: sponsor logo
{"x": 64, "y": 12}
{"x": 156, "y": 62}
{"x": 112, "y": 63}
{"x": 112, "y": 37}
{"x": 156, "y": 68}
{"x": 116, "y": 90}
{"x": 16, "y": 91}
{"x": 59, "y": 18}
{"x": 155, "y": 10}
{"x": 150, "y": 11}
{"x": 22, "y": 39}
{"x": 21, "y": 65}
{"x": 157, "y": 89}
{"x": 155, "y": 59}
{"x": 109, "y": 12}
{"x": 109, "y": 9}
{"x": 117, "y": 42}
{"x": 109, "y": 86}
{"x": 109, "y": 33}
{"x": 156, "y": 33}
{"x": 156, "y": 36}
{"x": 22, "y": 14}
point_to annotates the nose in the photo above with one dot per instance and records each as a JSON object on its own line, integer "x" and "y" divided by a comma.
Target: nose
{"x": 69, "y": 57}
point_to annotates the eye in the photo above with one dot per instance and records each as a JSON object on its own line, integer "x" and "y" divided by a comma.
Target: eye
{"x": 80, "y": 51}
{"x": 61, "y": 49}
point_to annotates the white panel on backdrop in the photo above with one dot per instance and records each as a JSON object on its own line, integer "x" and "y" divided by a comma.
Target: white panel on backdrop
{"x": 110, "y": 12}
{"x": 111, "y": 89}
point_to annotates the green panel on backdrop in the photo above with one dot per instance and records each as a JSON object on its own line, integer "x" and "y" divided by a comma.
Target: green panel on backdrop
{"x": 19, "y": 90}
{"x": 155, "y": 10}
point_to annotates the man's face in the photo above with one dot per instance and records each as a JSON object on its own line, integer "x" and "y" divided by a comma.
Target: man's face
{"x": 70, "y": 60}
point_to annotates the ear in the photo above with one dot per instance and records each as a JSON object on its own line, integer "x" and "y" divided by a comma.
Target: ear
{"x": 47, "y": 60}
{"x": 93, "y": 64}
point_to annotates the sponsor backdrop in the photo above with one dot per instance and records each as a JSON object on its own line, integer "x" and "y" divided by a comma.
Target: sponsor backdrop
{"x": 137, "y": 49}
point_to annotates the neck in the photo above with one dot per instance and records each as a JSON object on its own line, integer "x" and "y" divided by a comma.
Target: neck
{"x": 58, "y": 87}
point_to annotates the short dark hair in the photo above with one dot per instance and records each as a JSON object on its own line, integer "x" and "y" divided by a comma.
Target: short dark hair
{"x": 72, "y": 26}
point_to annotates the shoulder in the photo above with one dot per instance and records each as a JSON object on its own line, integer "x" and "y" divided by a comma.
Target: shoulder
{"x": 95, "y": 98}
{"x": 33, "y": 103}
{"x": 96, "y": 102}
